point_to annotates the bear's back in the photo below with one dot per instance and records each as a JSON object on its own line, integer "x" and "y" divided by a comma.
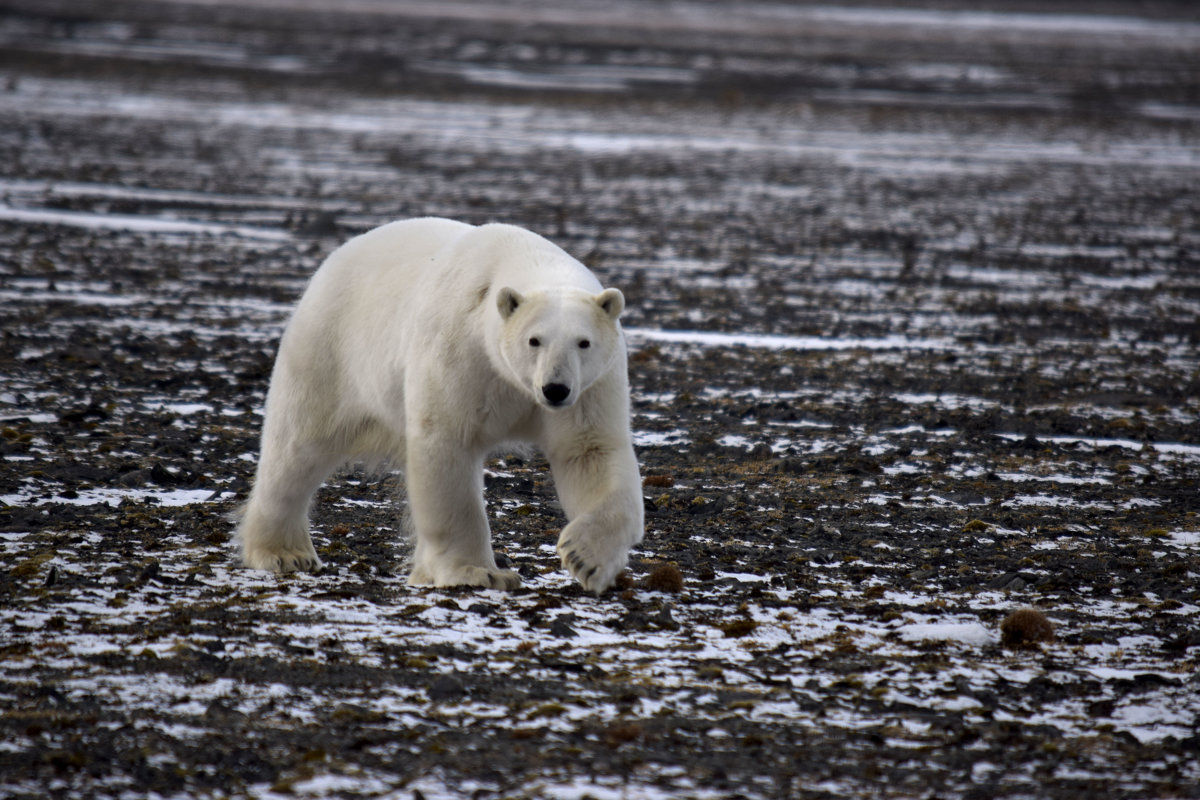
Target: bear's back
{"x": 515, "y": 257}
{"x": 407, "y": 242}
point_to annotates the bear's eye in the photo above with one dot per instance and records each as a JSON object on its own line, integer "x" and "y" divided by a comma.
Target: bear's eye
{"x": 584, "y": 344}
{"x": 535, "y": 342}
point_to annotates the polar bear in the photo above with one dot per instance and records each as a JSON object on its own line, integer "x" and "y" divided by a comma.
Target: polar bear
{"x": 431, "y": 342}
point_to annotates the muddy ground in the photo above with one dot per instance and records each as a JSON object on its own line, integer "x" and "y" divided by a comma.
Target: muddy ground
{"x": 913, "y": 300}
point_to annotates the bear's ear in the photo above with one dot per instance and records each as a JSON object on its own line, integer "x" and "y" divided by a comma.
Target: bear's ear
{"x": 612, "y": 302}
{"x": 507, "y": 301}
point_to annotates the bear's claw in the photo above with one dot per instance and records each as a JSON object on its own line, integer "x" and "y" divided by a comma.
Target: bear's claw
{"x": 468, "y": 576}
{"x": 283, "y": 561}
{"x": 593, "y": 577}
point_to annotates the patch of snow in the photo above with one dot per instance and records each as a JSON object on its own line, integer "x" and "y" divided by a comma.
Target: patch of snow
{"x": 1185, "y": 539}
{"x": 114, "y": 497}
{"x": 1053, "y": 501}
{"x": 777, "y": 342}
{"x": 138, "y": 224}
{"x": 660, "y": 439}
{"x": 1176, "y": 448}
{"x": 948, "y": 401}
{"x": 972, "y": 633}
{"x": 1021, "y": 477}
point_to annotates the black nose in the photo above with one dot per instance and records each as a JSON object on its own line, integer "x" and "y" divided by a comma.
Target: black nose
{"x": 555, "y": 393}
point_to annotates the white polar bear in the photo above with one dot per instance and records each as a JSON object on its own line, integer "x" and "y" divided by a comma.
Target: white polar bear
{"x": 433, "y": 342}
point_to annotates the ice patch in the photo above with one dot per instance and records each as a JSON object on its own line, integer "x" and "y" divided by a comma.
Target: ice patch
{"x": 571, "y": 77}
{"x": 40, "y": 418}
{"x": 1020, "y": 477}
{"x": 776, "y": 342}
{"x": 126, "y": 222}
{"x": 108, "y": 191}
{"x": 660, "y": 439}
{"x": 337, "y": 785}
{"x": 972, "y": 633}
{"x": 947, "y": 401}
{"x": 1020, "y": 23}
{"x": 1175, "y": 448}
{"x": 114, "y": 497}
{"x": 183, "y": 409}
{"x": 1021, "y": 501}
{"x": 1113, "y": 674}
{"x": 1186, "y": 539}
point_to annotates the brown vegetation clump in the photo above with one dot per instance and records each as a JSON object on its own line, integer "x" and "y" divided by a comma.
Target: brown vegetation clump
{"x": 1025, "y": 627}
{"x": 738, "y": 628}
{"x": 664, "y": 578}
{"x": 623, "y": 733}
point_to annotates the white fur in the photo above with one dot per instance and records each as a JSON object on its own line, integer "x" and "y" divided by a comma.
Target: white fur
{"x": 415, "y": 342}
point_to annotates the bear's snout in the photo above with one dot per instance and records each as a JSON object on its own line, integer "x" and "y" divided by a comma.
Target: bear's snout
{"x": 556, "y": 393}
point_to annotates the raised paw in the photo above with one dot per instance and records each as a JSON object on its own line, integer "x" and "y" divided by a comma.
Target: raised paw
{"x": 594, "y": 569}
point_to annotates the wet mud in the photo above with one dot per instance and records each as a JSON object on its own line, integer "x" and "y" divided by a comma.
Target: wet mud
{"x": 912, "y": 308}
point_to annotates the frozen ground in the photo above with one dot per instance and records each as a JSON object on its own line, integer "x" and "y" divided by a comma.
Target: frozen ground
{"x": 913, "y": 314}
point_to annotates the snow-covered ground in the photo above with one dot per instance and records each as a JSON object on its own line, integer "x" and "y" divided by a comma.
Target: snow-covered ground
{"x": 912, "y": 303}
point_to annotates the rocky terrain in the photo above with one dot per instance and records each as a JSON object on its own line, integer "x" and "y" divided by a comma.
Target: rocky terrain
{"x": 913, "y": 299}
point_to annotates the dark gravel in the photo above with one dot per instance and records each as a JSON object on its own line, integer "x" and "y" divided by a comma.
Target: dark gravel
{"x": 913, "y": 301}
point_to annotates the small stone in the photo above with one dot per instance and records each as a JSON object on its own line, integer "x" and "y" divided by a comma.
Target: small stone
{"x": 1029, "y": 444}
{"x": 134, "y": 478}
{"x": 761, "y": 452}
{"x": 1009, "y": 582}
{"x": 354, "y": 713}
{"x": 149, "y": 571}
{"x": 561, "y": 626}
{"x": 824, "y": 529}
{"x": 164, "y": 477}
{"x": 738, "y": 628}
{"x": 222, "y": 713}
{"x": 446, "y": 687}
{"x": 664, "y": 620}
{"x": 622, "y": 733}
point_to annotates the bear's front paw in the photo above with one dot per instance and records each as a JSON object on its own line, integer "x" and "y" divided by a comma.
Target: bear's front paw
{"x": 283, "y": 560}
{"x": 595, "y": 567}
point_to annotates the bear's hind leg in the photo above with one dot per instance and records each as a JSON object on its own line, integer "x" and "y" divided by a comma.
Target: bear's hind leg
{"x": 274, "y": 527}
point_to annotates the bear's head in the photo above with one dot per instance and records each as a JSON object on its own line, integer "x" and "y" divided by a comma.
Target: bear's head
{"x": 557, "y": 343}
